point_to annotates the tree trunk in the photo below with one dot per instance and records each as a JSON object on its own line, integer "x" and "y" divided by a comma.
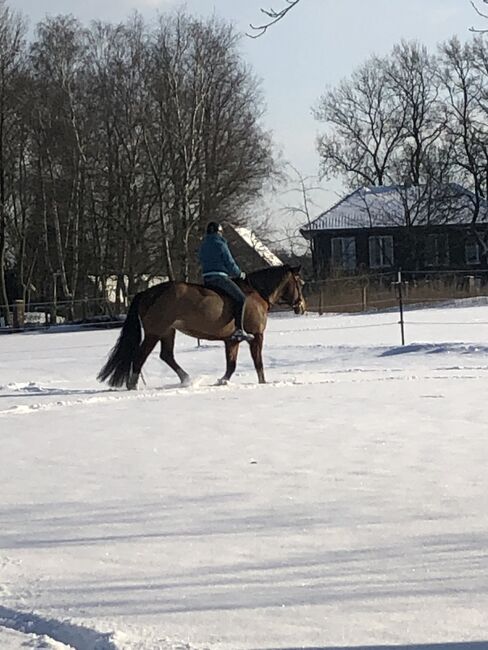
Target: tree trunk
{"x": 3, "y": 284}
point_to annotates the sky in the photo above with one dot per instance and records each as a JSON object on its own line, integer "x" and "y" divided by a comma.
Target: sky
{"x": 315, "y": 46}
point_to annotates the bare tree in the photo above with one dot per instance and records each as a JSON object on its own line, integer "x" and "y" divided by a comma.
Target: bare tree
{"x": 304, "y": 187}
{"x": 12, "y": 30}
{"x": 209, "y": 111}
{"x": 117, "y": 144}
{"x": 365, "y": 119}
{"x": 21, "y": 229}
{"x": 412, "y": 75}
{"x": 133, "y": 219}
{"x": 387, "y": 123}
{"x": 465, "y": 77}
{"x": 465, "y": 119}
{"x": 57, "y": 67}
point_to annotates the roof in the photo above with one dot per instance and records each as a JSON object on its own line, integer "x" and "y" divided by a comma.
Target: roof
{"x": 250, "y": 238}
{"x": 388, "y": 206}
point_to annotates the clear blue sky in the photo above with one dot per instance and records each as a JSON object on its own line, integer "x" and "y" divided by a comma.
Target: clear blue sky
{"x": 318, "y": 43}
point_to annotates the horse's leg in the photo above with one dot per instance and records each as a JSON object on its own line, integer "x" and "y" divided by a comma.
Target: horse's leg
{"x": 166, "y": 354}
{"x": 256, "y": 346}
{"x": 145, "y": 349}
{"x": 231, "y": 350}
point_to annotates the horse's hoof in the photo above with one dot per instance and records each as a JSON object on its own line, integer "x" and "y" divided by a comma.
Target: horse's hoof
{"x": 222, "y": 382}
{"x": 186, "y": 382}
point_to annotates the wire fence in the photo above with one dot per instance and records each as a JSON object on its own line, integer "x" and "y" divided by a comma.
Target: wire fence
{"x": 366, "y": 293}
{"x": 380, "y": 291}
{"x": 86, "y": 312}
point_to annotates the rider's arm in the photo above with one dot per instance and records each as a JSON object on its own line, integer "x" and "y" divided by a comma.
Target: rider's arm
{"x": 230, "y": 264}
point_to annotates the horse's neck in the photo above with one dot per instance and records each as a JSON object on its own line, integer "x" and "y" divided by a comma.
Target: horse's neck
{"x": 276, "y": 294}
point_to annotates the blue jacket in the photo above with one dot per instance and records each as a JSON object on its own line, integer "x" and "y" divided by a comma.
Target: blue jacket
{"x": 216, "y": 258}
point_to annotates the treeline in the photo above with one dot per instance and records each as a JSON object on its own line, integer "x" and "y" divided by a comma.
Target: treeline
{"x": 412, "y": 119}
{"x": 117, "y": 144}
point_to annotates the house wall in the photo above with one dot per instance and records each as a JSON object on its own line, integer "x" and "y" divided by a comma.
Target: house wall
{"x": 410, "y": 250}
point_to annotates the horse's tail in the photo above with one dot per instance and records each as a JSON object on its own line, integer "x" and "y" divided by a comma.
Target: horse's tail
{"x": 118, "y": 368}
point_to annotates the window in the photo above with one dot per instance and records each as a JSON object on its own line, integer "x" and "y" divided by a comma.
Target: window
{"x": 343, "y": 252}
{"x": 437, "y": 250}
{"x": 380, "y": 251}
{"x": 472, "y": 252}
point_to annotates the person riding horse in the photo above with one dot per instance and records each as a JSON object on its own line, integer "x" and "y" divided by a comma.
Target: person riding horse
{"x": 219, "y": 270}
{"x": 163, "y": 309}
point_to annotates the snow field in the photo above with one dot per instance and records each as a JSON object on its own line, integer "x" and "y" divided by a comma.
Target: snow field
{"x": 344, "y": 504}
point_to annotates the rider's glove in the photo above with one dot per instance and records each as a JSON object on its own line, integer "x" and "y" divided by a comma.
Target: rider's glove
{"x": 242, "y": 275}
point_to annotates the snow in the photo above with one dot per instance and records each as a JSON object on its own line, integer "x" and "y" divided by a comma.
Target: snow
{"x": 385, "y": 206}
{"x": 342, "y": 505}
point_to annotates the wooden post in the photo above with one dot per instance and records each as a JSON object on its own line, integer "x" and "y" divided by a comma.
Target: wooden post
{"x": 84, "y": 308}
{"x": 400, "y": 306}
{"x": 399, "y": 288}
{"x": 19, "y": 314}
{"x": 365, "y": 297}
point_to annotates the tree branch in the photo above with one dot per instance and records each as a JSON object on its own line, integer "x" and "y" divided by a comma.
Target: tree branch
{"x": 274, "y": 16}
{"x": 480, "y": 13}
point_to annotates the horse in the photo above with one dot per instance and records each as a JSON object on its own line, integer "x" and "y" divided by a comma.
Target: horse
{"x": 202, "y": 313}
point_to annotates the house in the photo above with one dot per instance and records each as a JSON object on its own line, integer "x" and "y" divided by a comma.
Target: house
{"x": 250, "y": 252}
{"x": 416, "y": 228}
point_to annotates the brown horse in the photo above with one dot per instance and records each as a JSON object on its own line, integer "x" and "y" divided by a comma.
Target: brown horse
{"x": 202, "y": 313}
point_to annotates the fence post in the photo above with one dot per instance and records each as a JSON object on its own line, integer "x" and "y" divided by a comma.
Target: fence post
{"x": 365, "y": 297}
{"x": 19, "y": 314}
{"x": 399, "y": 285}
{"x": 321, "y": 301}
{"x": 84, "y": 308}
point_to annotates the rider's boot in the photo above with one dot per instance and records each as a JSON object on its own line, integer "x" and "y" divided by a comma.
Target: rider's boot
{"x": 240, "y": 335}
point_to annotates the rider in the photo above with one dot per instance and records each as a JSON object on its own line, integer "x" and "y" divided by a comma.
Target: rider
{"x": 218, "y": 270}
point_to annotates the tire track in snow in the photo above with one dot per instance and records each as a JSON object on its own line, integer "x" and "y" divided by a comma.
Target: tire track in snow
{"x": 49, "y": 630}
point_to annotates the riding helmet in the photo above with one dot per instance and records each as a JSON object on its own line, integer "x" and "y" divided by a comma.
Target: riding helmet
{"x": 214, "y": 227}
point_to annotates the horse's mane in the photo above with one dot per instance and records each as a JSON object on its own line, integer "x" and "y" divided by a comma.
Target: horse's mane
{"x": 265, "y": 281}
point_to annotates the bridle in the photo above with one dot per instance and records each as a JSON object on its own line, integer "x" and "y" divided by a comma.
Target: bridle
{"x": 297, "y": 305}
{"x": 299, "y": 302}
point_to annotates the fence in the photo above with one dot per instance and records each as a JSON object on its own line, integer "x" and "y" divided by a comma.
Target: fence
{"x": 380, "y": 291}
{"x": 87, "y": 312}
{"x": 339, "y": 294}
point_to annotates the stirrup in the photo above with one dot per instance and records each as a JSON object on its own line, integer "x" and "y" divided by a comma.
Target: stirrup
{"x": 240, "y": 335}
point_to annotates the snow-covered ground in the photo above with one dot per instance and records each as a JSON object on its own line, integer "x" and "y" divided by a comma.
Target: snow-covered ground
{"x": 343, "y": 504}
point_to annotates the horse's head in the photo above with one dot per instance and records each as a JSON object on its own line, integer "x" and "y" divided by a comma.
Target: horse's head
{"x": 292, "y": 290}
{"x": 279, "y": 285}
